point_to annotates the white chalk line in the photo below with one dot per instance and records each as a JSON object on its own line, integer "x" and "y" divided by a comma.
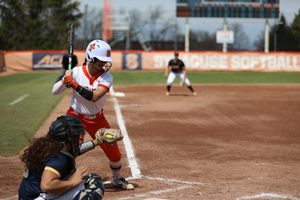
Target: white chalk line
{"x": 135, "y": 171}
{"x": 157, "y": 192}
{"x": 14, "y": 197}
{"x": 162, "y": 179}
{"x": 269, "y": 196}
{"x": 18, "y": 99}
{"x": 174, "y": 181}
{"x": 115, "y": 94}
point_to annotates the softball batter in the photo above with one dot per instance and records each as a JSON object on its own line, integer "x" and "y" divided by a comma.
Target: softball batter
{"x": 90, "y": 83}
{"x": 177, "y": 69}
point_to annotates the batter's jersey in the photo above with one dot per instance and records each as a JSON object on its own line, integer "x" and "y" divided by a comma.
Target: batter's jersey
{"x": 82, "y": 77}
{"x": 30, "y": 188}
{"x": 176, "y": 66}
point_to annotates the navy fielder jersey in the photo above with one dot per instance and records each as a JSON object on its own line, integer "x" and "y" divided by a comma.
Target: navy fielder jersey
{"x": 177, "y": 66}
{"x": 30, "y": 188}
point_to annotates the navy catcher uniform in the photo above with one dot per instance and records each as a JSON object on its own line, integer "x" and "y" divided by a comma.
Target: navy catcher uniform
{"x": 61, "y": 168}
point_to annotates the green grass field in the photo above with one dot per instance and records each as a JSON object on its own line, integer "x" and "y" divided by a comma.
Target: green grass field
{"x": 20, "y": 121}
{"x": 146, "y": 78}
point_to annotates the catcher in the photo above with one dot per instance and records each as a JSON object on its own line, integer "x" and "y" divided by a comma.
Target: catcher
{"x": 177, "y": 69}
{"x": 50, "y": 169}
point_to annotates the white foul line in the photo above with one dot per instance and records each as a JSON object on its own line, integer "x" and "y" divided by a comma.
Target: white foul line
{"x": 269, "y": 196}
{"x": 135, "y": 171}
{"x": 14, "y": 197}
{"x": 19, "y": 99}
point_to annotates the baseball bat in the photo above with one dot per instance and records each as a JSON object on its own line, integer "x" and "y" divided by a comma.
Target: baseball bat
{"x": 70, "y": 46}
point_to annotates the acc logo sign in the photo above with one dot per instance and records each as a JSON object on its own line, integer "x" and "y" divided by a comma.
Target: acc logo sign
{"x": 47, "y": 60}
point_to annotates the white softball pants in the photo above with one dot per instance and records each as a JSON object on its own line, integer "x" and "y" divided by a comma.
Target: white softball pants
{"x": 70, "y": 194}
{"x": 172, "y": 76}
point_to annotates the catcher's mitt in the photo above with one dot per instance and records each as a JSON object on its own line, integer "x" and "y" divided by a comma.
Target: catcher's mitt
{"x": 109, "y": 135}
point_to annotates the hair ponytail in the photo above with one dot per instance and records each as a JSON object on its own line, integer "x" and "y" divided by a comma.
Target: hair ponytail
{"x": 84, "y": 62}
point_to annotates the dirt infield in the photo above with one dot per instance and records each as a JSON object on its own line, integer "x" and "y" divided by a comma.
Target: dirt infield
{"x": 229, "y": 142}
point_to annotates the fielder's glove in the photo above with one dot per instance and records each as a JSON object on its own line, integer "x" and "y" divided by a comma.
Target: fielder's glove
{"x": 109, "y": 136}
{"x": 182, "y": 82}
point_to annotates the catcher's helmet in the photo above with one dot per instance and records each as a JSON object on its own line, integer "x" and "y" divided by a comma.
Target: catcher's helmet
{"x": 68, "y": 128}
{"x": 98, "y": 49}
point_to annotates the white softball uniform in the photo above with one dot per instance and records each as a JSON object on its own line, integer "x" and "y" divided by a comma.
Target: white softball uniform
{"x": 82, "y": 77}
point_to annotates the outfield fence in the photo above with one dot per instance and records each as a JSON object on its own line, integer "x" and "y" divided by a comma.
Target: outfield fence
{"x": 158, "y": 60}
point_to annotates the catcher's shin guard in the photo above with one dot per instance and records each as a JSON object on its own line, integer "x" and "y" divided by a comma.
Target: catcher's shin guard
{"x": 94, "y": 188}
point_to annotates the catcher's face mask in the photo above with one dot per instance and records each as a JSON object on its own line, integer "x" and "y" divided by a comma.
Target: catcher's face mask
{"x": 68, "y": 128}
{"x": 76, "y": 141}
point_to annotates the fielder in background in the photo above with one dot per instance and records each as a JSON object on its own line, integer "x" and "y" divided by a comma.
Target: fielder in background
{"x": 177, "y": 69}
{"x": 90, "y": 83}
{"x": 65, "y": 64}
{"x": 50, "y": 169}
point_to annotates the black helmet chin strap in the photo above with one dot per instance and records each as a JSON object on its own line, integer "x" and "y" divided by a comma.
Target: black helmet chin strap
{"x": 99, "y": 70}
{"x": 93, "y": 64}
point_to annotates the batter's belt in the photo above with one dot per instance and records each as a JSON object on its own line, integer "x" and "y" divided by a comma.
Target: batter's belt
{"x": 88, "y": 117}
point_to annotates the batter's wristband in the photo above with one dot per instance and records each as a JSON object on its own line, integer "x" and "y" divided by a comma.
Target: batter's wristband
{"x": 87, "y": 94}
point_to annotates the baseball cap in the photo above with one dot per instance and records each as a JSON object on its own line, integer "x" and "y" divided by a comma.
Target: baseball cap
{"x": 176, "y": 53}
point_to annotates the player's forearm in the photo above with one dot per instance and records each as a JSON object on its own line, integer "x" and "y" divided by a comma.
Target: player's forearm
{"x": 87, "y": 146}
{"x": 98, "y": 94}
{"x": 58, "y": 88}
{"x": 167, "y": 70}
{"x": 57, "y": 186}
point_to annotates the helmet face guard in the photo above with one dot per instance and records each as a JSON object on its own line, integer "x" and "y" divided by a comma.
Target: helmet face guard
{"x": 104, "y": 68}
{"x": 68, "y": 128}
{"x": 107, "y": 66}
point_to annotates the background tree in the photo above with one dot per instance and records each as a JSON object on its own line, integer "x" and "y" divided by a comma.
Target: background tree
{"x": 259, "y": 43}
{"x": 284, "y": 39}
{"x": 241, "y": 40}
{"x": 207, "y": 41}
{"x": 155, "y": 27}
{"x": 193, "y": 40}
{"x": 91, "y": 27}
{"x": 295, "y": 30}
{"x": 43, "y": 24}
